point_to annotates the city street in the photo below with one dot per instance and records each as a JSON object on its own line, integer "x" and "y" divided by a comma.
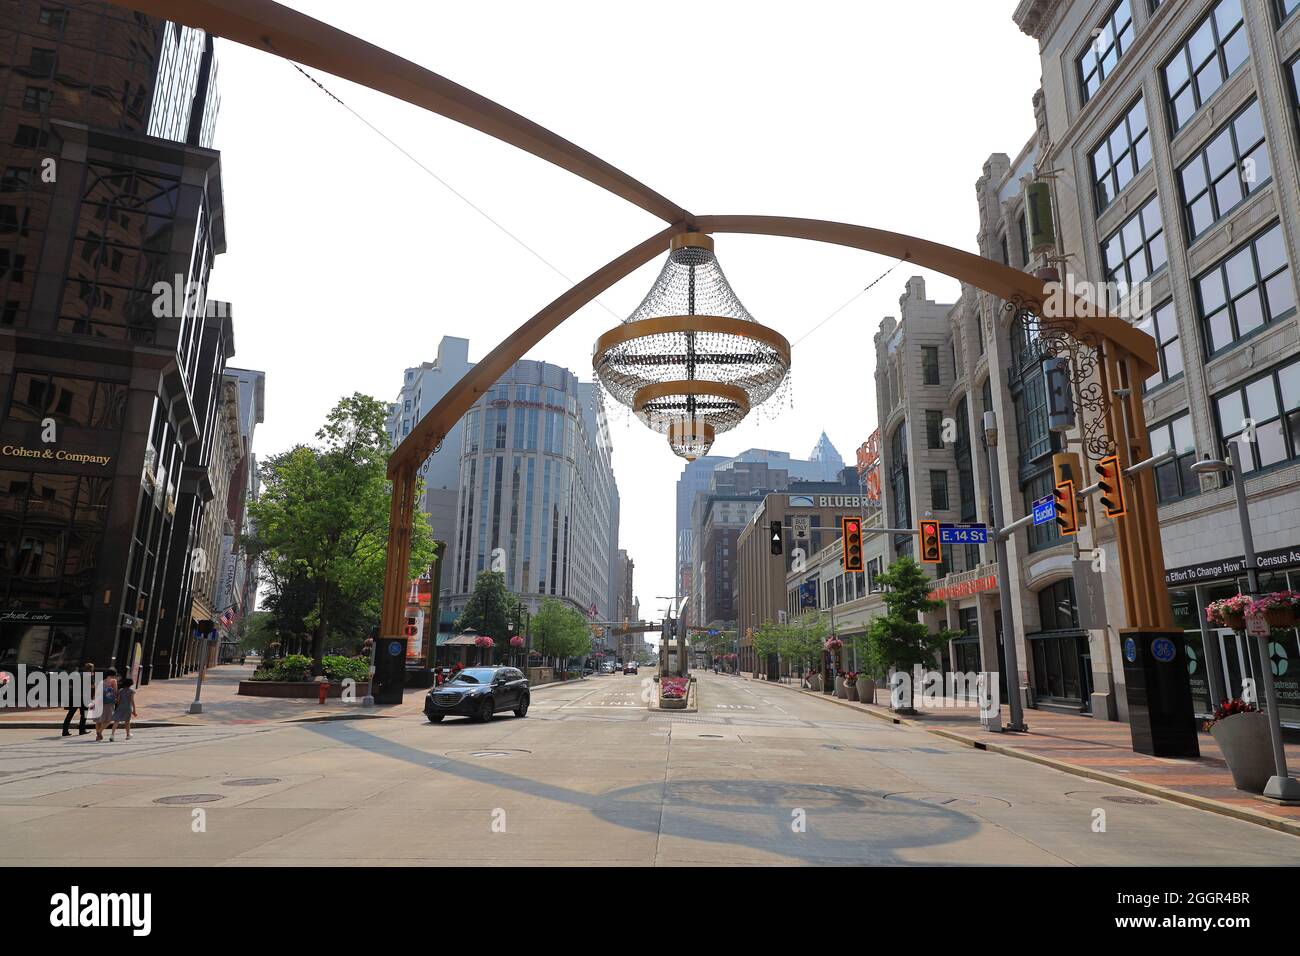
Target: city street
{"x": 760, "y": 775}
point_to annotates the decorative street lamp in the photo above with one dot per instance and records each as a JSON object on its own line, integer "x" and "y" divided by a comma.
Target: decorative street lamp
{"x": 1281, "y": 786}
{"x": 691, "y": 362}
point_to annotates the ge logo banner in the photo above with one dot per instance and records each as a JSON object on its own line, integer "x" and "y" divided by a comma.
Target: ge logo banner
{"x": 1164, "y": 650}
{"x": 1130, "y": 650}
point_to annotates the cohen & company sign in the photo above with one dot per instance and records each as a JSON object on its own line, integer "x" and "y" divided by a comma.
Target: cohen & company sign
{"x": 54, "y": 454}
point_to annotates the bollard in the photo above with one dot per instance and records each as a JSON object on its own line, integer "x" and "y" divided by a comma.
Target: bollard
{"x": 324, "y": 691}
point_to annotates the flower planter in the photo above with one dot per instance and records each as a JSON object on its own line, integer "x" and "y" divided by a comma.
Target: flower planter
{"x": 298, "y": 688}
{"x": 1280, "y": 618}
{"x": 1248, "y": 749}
{"x": 815, "y": 682}
{"x": 866, "y": 690}
{"x": 839, "y": 687}
{"x": 850, "y": 691}
{"x": 1235, "y": 621}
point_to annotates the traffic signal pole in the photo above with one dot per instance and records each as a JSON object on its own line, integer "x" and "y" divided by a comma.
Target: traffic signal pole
{"x": 1014, "y": 704}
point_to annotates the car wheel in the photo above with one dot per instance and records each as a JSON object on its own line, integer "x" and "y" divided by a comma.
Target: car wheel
{"x": 435, "y": 718}
{"x": 522, "y": 709}
{"x": 486, "y": 709}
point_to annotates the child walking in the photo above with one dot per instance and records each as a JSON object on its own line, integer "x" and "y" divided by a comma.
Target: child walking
{"x": 124, "y": 709}
{"x": 107, "y": 702}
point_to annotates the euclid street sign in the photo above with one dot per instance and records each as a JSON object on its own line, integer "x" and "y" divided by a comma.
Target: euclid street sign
{"x": 1044, "y": 510}
{"x": 964, "y": 533}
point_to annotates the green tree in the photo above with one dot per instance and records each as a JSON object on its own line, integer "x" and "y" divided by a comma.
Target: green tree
{"x": 559, "y": 631}
{"x": 322, "y": 528}
{"x": 804, "y": 639}
{"x": 490, "y": 609}
{"x": 898, "y": 639}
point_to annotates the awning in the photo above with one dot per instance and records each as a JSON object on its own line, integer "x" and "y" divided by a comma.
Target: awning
{"x": 461, "y": 640}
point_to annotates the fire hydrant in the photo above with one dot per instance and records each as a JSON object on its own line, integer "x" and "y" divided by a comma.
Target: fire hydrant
{"x": 324, "y": 691}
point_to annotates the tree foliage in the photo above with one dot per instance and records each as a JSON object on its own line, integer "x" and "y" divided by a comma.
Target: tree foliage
{"x": 560, "y": 630}
{"x": 489, "y": 609}
{"x": 898, "y": 639}
{"x": 321, "y": 529}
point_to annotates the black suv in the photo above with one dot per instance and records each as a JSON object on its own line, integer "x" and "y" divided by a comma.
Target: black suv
{"x": 478, "y": 693}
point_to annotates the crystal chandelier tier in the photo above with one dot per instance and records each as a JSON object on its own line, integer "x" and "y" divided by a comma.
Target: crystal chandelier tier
{"x": 691, "y": 361}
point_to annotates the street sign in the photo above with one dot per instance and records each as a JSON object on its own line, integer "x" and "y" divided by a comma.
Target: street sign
{"x": 1044, "y": 510}
{"x": 801, "y": 525}
{"x": 964, "y": 533}
{"x": 1257, "y": 626}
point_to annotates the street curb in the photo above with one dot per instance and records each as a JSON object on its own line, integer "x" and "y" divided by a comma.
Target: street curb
{"x": 1150, "y": 789}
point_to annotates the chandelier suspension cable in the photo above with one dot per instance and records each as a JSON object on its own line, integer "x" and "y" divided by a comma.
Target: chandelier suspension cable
{"x": 857, "y": 295}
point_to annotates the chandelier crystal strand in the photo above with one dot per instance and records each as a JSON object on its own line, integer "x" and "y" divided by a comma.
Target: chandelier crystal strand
{"x": 690, "y": 362}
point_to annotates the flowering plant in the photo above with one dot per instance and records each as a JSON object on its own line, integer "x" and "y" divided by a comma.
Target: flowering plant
{"x": 484, "y": 641}
{"x": 1276, "y": 601}
{"x": 1230, "y": 707}
{"x": 515, "y": 641}
{"x": 673, "y": 688}
{"x": 851, "y": 678}
{"x": 1216, "y": 612}
{"x": 833, "y": 643}
{"x": 458, "y": 666}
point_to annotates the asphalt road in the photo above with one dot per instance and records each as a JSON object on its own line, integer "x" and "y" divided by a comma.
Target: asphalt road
{"x": 761, "y": 775}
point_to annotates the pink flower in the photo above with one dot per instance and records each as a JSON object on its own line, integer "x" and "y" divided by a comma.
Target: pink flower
{"x": 516, "y": 641}
{"x": 484, "y": 641}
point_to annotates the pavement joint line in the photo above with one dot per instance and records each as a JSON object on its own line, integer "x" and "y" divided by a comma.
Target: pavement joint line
{"x": 1150, "y": 789}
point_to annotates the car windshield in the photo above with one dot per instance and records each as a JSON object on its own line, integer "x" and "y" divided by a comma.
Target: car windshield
{"x": 475, "y": 675}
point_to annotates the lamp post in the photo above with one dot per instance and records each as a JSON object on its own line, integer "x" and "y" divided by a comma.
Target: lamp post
{"x": 1004, "y": 576}
{"x": 1281, "y": 786}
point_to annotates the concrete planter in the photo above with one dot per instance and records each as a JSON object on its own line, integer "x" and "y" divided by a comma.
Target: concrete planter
{"x": 850, "y": 691}
{"x": 839, "y": 687}
{"x": 1248, "y": 748}
{"x": 298, "y": 688}
{"x": 866, "y": 690}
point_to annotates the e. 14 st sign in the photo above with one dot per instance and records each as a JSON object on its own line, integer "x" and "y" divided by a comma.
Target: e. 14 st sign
{"x": 964, "y": 533}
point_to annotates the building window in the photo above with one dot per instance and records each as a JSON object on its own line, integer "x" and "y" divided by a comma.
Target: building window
{"x": 1114, "y": 35}
{"x": 1174, "y": 478}
{"x": 939, "y": 489}
{"x": 898, "y": 488}
{"x": 1024, "y": 237}
{"x": 1162, "y": 325}
{"x": 1137, "y": 248}
{"x": 1039, "y": 486}
{"x": 933, "y": 428}
{"x": 41, "y": 62}
{"x": 1245, "y": 291}
{"x": 930, "y": 364}
{"x": 1232, "y": 165}
{"x": 56, "y": 18}
{"x": 1214, "y": 51}
{"x": 1285, "y": 8}
{"x": 36, "y": 99}
{"x": 1056, "y": 607}
{"x": 1272, "y": 403}
{"x": 1119, "y": 157}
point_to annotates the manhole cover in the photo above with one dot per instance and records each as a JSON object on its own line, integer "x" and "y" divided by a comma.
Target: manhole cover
{"x": 955, "y": 801}
{"x": 187, "y": 798}
{"x": 1134, "y": 801}
{"x": 252, "y": 782}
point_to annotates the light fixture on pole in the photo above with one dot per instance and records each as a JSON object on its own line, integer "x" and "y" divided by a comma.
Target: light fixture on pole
{"x": 1281, "y": 786}
{"x": 691, "y": 362}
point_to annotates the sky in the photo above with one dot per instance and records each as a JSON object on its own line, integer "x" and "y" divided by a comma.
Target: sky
{"x": 347, "y": 261}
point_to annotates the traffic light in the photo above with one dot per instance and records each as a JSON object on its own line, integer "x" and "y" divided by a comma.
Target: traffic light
{"x": 851, "y": 535}
{"x": 774, "y": 535}
{"x": 1065, "y": 467}
{"x": 931, "y": 549}
{"x": 1067, "y": 508}
{"x": 1111, "y": 482}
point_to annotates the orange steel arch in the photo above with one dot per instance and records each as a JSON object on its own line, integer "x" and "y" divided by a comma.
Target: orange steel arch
{"x": 1128, "y": 354}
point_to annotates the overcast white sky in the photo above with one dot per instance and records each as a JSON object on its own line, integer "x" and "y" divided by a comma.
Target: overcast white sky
{"x": 347, "y": 262}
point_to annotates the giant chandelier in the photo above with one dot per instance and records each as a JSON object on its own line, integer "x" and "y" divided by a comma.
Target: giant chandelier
{"x": 691, "y": 361}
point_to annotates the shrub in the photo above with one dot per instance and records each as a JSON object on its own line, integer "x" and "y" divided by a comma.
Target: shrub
{"x": 338, "y": 667}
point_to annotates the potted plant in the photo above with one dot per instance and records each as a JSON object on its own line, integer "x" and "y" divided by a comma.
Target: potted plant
{"x": 1228, "y": 612}
{"x": 851, "y": 685}
{"x": 1278, "y": 608}
{"x": 1242, "y": 733}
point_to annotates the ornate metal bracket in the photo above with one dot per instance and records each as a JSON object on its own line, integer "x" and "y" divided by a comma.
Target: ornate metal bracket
{"x": 1065, "y": 338}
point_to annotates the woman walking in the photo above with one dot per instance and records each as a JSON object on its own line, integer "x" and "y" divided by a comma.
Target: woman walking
{"x": 124, "y": 709}
{"x": 81, "y": 692}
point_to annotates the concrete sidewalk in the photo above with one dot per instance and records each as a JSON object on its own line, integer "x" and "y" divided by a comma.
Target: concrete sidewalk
{"x": 1098, "y": 750}
{"x": 166, "y": 703}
